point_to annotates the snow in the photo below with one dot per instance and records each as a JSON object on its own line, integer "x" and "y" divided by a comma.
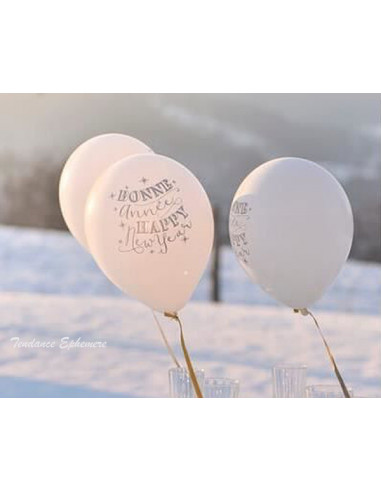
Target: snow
{"x": 50, "y": 288}
{"x": 43, "y": 261}
{"x": 234, "y": 341}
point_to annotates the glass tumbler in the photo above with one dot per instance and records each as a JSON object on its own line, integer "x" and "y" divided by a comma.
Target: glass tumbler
{"x": 221, "y": 388}
{"x": 326, "y": 391}
{"x": 289, "y": 381}
{"x": 180, "y": 383}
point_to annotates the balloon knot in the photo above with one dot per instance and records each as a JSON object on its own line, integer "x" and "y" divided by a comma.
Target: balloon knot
{"x": 303, "y": 311}
{"x": 171, "y": 315}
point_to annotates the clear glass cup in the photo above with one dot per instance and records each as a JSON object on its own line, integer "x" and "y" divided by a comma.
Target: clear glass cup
{"x": 326, "y": 391}
{"x": 221, "y": 388}
{"x": 180, "y": 383}
{"x": 289, "y": 381}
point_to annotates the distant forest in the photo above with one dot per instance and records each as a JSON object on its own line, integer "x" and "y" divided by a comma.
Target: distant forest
{"x": 31, "y": 199}
{"x": 221, "y": 138}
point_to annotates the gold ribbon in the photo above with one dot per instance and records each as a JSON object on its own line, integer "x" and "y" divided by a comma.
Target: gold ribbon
{"x": 165, "y": 340}
{"x": 188, "y": 361}
{"x": 306, "y": 312}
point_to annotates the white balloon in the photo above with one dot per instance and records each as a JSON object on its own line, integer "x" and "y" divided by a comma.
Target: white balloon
{"x": 83, "y": 168}
{"x": 150, "y": 228}
{"x": 291, "y": 228}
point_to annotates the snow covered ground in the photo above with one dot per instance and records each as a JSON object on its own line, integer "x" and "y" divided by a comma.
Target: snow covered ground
{"x": 42, "y": 261}
{"x": 50, "y": 288}
{"x": 235, "y": 341}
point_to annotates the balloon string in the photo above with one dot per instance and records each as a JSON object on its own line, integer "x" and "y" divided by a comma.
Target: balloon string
{"x": 188, "y": 361}
{"x": 330, "y": 355}
{"x": 165, "y": 340}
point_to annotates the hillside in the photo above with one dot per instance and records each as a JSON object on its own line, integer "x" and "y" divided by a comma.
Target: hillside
{"x": 224, "y": 135}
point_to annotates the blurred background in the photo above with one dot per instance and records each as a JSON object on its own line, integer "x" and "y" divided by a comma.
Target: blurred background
{"x": 220, "y": 137}
{"x": 50, "y": 287}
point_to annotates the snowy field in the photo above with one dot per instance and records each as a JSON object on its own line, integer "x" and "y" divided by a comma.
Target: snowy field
{"x": 50, "y": 289}
{"x": 235, "y": 341}
{"x": 52, "y": 262}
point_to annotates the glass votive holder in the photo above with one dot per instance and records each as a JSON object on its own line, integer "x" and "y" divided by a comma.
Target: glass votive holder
{"x": 180, "y": 383}
{"x": 221, "y": 388}
{"x": 326, "y": 391}
{"x": 289, "y": 381}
